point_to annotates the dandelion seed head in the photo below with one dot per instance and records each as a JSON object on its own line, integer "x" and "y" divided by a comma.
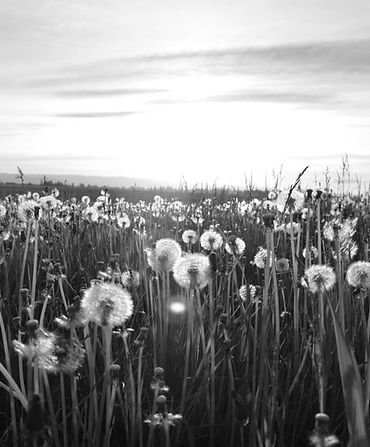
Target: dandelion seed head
{"x": 123, "y": 221}
{"x": 243, "y": 293}
{"x": 260, "y": 258}
{"x": 320, "y": 278}
{"x": 163, "y": 257}
{"x": 69, "y": 356}
{"x": 192, "y": 270}
{"x": 314, "y": 252}
{"x": 282, "y": 265}
{"x": 48, "y": 202}
{"x": 85, "y": 200}
{"x": 107, "y": 303}
{"x": 211, "y": 240}
{"x": 90, "y": 213}
{"x": 189, "y": 237}
{"x": 130, "y": 278}
{"x": 40, "y": 349}
{"x": 2, "y": 211}
{"x": 358, "y": 274}
{"x": 236, "y": 246}
{"x": 290, "y": 201}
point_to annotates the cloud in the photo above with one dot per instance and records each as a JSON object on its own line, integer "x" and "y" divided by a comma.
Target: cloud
{"x": 101, "y": 92}
{"x": 319, "y": 58}
{"x": 331, "y": 75}
{"x": 93, "y": 114}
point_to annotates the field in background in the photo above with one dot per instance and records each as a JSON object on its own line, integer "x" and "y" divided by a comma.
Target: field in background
{"x": 241, "y": 345}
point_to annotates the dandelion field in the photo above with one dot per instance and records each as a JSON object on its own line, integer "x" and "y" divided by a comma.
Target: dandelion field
{"x": 198, "y": 323}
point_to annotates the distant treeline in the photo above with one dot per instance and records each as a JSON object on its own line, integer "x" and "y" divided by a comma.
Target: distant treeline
{"x": 132, "y": 194}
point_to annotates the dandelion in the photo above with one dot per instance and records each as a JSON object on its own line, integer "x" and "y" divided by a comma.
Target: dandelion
{"x": 158, "y": 200}
{"x": 189, "y": 237}
{"x": 210, "y": 240}
{"x": 130, "y": 278}
{"x": 123, "y": 221}
{"x": 255, "y": 293}
{"x": 321, "y": 436}
{"x": 290, "y": 201}
{"x": 197, "y": 216}
{"x": 107, "y": 304}
{"x": 192, "y": 270}
{"x": 320, "y": 278}
{"x": 243, "y": 293}
{"x": 2, "y": 211}
{"x": 85, "y": 200}
{"x": 177, "y": 210}
{"x": 69, "y": 356}
{"x": 260, "y": 258}
{"x": 39, "y": 348}
{"x": 26, "y": 210}
{"x": 268, "y": 205}
{"x": 162, "y": 419}
{"x": 314, "y": 252}
{"x": 358, "y": 274}
{"x": 292, "y": 227}
{"x": 90, "y": 213}
{"x": 282, "y": 265}
{"x": 235, "y": 246}
{"x": 163, "y": 257}
{"x": 48, "y": 202}
{"x": 328, "y": 231}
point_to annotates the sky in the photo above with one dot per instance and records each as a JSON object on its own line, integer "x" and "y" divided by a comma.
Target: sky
{"x": 209, "y": 91}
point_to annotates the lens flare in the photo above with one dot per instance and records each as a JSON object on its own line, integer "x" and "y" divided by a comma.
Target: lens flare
{"x": 177, "y": 307}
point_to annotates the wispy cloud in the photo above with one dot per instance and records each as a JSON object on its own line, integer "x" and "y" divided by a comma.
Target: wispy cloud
{"x": 320, "y": 74}
{"x": 105, "y": 92}
{"x": 93, "y": 114}
{"x": 319, "y": 58}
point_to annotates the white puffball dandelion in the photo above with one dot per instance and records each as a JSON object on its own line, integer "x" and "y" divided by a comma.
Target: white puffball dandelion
{"x": 107, "y": 304}
{"x": 85, "y": 200}
{"x": 358, "y": 274}
{"x": 314, "y": 252}
{"x": 320, "y": 278}
{"x": 130, "y": 278}
{"x": 123, "y": 221}
{"x": 48, "y": 202}
{"x": 189, "y": 237}
{"x": 39, "y": 349}
{"x": 192, "y": 270}
{"x": 260, "y": 258}
{"x": 243, "y": 293}
{"x": 90, "y": 213}
{"x": 163, "y": 257}
{"x": 2, "y": 211}
{"x": 290, "y": 201}
{"x": 235, "y": 246}
{"x": 210, "y": 240}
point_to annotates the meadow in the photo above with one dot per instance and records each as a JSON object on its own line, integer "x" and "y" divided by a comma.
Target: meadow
{"x": 210, "y": 321}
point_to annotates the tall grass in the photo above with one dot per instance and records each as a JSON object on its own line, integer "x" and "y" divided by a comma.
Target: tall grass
{"x": 210, "y": 366}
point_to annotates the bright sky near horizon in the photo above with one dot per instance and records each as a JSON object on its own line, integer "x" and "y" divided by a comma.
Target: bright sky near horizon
{"x": 204, "y": 90}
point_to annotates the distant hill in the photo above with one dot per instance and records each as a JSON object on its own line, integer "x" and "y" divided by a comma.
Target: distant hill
{"x": 111, "y": 182}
